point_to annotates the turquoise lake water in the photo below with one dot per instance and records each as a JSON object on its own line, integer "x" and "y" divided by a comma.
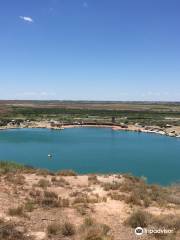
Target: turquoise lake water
{"x": 93, "y": 150}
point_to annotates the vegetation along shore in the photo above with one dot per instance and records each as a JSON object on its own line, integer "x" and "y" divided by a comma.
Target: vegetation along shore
{"x": 161, "y": 118}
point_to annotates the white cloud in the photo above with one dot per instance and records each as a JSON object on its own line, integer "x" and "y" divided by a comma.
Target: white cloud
{"x": 27, "y": 19}
{"x": 36, "y": 95}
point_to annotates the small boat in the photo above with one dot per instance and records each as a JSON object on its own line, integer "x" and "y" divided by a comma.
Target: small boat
{"x": 49, "y": 155}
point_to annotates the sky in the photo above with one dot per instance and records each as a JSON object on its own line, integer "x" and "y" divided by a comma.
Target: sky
{"x": 124, "y": 50}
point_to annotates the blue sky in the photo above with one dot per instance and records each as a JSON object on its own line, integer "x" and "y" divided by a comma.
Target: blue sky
{"x": 90, "y": 50}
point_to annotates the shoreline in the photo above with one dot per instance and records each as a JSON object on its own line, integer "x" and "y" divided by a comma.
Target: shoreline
{"x": 173, "y": 131}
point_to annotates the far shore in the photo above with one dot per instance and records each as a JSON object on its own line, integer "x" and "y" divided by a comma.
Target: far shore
{"x": 172, "y": 131}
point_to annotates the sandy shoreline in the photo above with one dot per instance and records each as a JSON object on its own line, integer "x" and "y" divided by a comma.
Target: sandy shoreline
{"x": 172, "y": 131}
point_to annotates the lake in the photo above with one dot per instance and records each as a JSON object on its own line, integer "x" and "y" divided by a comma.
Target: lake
{"x": 95, "y": 150}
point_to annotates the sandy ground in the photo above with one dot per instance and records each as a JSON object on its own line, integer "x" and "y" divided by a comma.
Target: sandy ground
{"x": 15, "y": 192}
{"x": 173, "y": 131}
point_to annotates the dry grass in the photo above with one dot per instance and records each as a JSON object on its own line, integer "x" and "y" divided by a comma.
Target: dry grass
{"x": 47, "y": 203}
{"x": 64, "y": 202}
{"x": 66, "y": 173}
{"x": 19, "y": 211}
{"x": 91, "y": 230}
{"x": 139, "y": 219}
{"x": 43, "y": 172}
{"x": 93, "y": 179}
{"x": 50, "y": 194}
{"x": 143, "y": 194}
{"x": 68, "y": 229}
{"x": 29, "y": 206}
{"x": 111, "y": 186}
{"x": 144, "y": 219}
{"x": 60, "y": 182}
{"x": 85, "y": 198}
{"x": 117, "y": 196}
{"x": 53, "y": 229}
{"x": 83, "y": 208}
{"x": 50, "y": 199}
{"x": 15, "y": 179}
{"x": 43, "y": 183}
{"x": 8, "y": 231}
{"x": 133, "y": 199}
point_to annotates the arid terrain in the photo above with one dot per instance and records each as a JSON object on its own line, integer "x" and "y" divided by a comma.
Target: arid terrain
{"x": 40, "y": 205}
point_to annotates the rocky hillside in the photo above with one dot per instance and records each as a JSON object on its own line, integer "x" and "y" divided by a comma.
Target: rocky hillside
{"x": 39, "y": 205}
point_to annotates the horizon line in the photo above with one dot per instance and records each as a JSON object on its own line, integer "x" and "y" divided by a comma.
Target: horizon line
{"x": 85, "y": 100}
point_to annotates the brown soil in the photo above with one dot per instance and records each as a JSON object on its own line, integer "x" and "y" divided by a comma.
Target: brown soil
{"x": 16, "y": 191}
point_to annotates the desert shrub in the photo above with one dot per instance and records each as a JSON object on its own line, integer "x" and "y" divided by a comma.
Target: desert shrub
{"x": 66, "y": 173}
{"x": 92, "y": 179}
{"x": 133, "y": 179}
{"x": 15, "y": 179}
{"x": 104, "y": 199}
{"x": 9, "y": 177}
{"x": 36, "y": 196}
{"x": 6, "y": 167}
{"x": 167, "y": 221}
{"x": 141, "y": 193}
{"x": 80, "y": 197}
{"x": 43, "y": 183}
{"x": 173, "y": 199}
{"x": 173, "y": 195}
{"x": 88, "y": 221}
{"x": 111, "y": 186}
{"x": 82, "y": 208}
{"x": 19, "y": 211}
{"x": 87, "y": 189}
{"x": 8, "y": 231}
{"x": 50, "y": 194}
{"x": 127, "y": 186}
{"x": 95, "y": 231}
{"x": 146, "y": 201}
{"x": 60, "y": 182}
{"x": 80, "y": 200}
{"x": 134, "y": 184}
{"x": 50, "y": 199}
{"x": 65, "y": 202}
{"x": 171, "y": 222}
{"x": 158, "y": 194}
{"x": 29, "y": 206}
{"x": 77, "y": 194}
{"x": 68, "y": 229}
{"x": 19, "y": 179}
{"x": 155, "y": 192}
{"x": 53, "y": 179}
{"x": 139, "y": 219}
{"x": 133, "y": 199}
{"x": 117, "y": 196}
{"x": 50, "y": 202}
{"x": 119, "y": 176}
{"x": 86, "y": 199}
{"x": 35, "y": 193}
{"x": 53, "y": 229}
{"x": 43, "y": 172}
